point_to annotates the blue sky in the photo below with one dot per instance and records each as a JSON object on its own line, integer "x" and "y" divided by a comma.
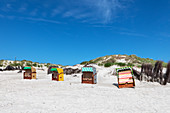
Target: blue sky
{"x": 71, "y": 31}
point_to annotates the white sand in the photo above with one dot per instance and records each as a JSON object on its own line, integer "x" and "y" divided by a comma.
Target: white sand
{"x": 46, "y": 96}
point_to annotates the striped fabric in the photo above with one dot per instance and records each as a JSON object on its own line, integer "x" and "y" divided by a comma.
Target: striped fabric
{"x": 125, "y": 77}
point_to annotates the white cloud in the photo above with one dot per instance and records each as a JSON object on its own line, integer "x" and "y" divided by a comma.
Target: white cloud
{"x": 92, "y": 11}
{"x": 40, "y": 20}
{"x": 104, "y": 11}
{"x": 107, "y": 9}
{"x": 30, "y": 18}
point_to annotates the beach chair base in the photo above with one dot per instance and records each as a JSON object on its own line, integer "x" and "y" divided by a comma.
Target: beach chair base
{"x": 27, "y": 77}
{"x": 88, "y": 82}
{"x": 55, "y": 79}
{"x": 126, "y": 85}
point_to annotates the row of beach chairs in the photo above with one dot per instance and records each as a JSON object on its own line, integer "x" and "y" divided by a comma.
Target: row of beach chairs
{"x": 125, "y": 75}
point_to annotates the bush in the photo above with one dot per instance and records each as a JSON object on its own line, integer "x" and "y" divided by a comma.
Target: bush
{"x": 108, "y": 64}
{"x": 35, "y": 65}
{"x": 15, "y": 64}
{"x": 130, "y": 64}
{"x": 100, "y": 64}
{"x": 139, "y": 66}
{"x": 28, "y": 64}
{"x": 120, "y": 64}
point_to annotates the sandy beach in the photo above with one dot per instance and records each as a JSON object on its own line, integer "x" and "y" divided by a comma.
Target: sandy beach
{"x": 70, "y": 96}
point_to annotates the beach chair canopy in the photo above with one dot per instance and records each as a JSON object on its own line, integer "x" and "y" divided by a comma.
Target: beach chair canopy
{"x": 89, "y": 69}
{"x": 54, "y": 69}
{"x": 59, "y": 70}
{"x": 30, "y": 68}
{"x": 125, "y": 75}
{"x": 27, "y": 67}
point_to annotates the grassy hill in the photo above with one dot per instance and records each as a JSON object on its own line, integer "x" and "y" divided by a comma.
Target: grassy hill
{"x": 121, "y": 60}
{"x": 4, "y": 63}
{"x": 109, "y": 60}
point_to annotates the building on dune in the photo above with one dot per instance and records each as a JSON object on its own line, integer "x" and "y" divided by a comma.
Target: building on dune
{"x": 89, "y": 75}
{"x": 57, "y": 74}
{"x": 30, "y": 73}
{"x": 125, "y": 77}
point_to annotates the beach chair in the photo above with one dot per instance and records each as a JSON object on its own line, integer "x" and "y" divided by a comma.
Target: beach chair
{"x": 125, "y": 77}
{"x": 30, "y": 73}
{"x": 57, "y": 74}
{"x": 89, "y": 75}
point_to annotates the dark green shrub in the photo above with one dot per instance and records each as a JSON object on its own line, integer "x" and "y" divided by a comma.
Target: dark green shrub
{"x": 120, "y": 64}
{"x": 107, "y": 64}
{"x": 28, "y": 64}
{"x": 130, "y": 64}
{"x": 35, "y": 65}
{"x": 139, "y": 66}
{"x": 100, "y": 64}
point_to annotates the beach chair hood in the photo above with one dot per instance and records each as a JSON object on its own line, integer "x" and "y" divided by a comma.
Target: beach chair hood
{"x": 88, "y": 69}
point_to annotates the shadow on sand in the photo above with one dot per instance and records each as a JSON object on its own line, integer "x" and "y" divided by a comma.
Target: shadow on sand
{"x": 115, "y": 84}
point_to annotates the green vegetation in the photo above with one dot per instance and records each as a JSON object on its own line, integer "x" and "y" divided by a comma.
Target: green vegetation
{"x": 97, "y": 60}
{"x": 1, "y": 63}
{"x": 4, "y": 63}
{"x": 35, "y": 64}
{"x": 130, "y": 64}
{"x": 139, "y": 66}
{"x": 47, "y": 65}
{"x": 83, "y": 63}
{"x": 41, "y": 66}
{"x": 91, "y": 61}
{"x": 100, "y": 64}
{"x": 15, "y": 64}
{"x": 108, "y": 64}
{"x": 28, "y": 64}
{"x": 120, "y": 64}
{"x": 164, "y": 64}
